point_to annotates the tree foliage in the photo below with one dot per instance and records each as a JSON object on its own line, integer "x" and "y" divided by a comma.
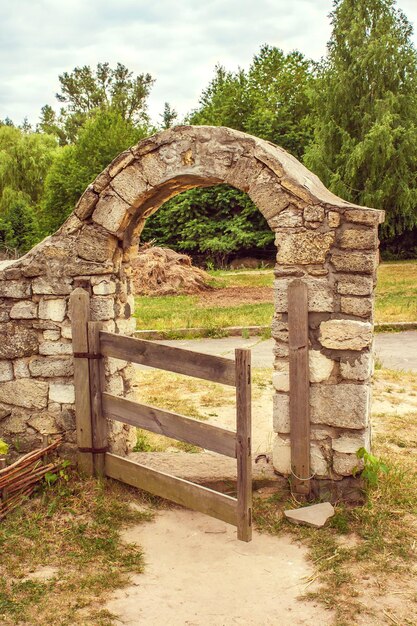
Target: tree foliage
{"x": 25, "y": 160}
{"x": 84, "y": 91}
{"x": 365, "y": 140}
{"x": 270, "y": 100}
{"x": 213, "y": 222}
{"x": 103, "y": 137}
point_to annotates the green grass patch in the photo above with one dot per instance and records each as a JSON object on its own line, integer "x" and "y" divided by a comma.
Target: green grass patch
{"x": 396, "y": 300}
{"x": 75, "y": 528}
{"x": 173, "y": 312}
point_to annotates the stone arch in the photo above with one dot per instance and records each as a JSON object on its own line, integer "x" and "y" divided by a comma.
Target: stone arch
{"x": 327, "y": 242}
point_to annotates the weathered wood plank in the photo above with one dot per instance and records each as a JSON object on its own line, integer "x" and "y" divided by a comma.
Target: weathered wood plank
{"x": 206, "y": 366}
{"x": 169, "y": 424}
{"x": 80, "y": 314}
{"x": 98, "y": 422}
{"x": 243, "y": 439}
{"x": 177, "y": 490}
{"x": 299, "y": 386}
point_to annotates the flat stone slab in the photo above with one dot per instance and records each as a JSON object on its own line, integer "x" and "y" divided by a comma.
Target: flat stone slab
{"x": 315, "y": 515}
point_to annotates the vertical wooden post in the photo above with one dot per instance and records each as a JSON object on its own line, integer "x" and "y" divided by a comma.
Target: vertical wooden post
{"x": 299, "y": 386}
{"x": 243, "y": 444}
{"x": 98, "y": 422}
{"x": 80, "y": 314}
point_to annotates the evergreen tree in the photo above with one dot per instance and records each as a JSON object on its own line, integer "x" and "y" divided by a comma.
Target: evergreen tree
{"x": 365, "y": 142}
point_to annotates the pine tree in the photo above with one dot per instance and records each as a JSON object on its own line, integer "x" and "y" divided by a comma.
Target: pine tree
{"x": 365, "y": 143}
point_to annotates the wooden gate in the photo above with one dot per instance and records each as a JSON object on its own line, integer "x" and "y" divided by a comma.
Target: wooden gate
{"x": 94, "y": 407}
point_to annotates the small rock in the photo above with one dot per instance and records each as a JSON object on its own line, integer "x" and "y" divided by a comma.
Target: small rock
{"x": 315, "y": 515}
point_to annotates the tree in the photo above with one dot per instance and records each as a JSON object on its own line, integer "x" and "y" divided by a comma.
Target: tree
{"x": 365, "y": 139}
{"x": 215, "y": 222}
{"x": 25, "y": 159}
{"x": 271, "y": 100}
{"x": 168, "y": 116}
{"x": 84, "y": 91}
{"x": 105, "y": 134}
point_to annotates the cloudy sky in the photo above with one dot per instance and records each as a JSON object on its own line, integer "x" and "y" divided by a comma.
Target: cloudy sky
{"x": 177, "y": 41}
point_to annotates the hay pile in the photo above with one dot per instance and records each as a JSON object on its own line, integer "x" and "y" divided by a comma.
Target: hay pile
{"x": 162, "y": 272}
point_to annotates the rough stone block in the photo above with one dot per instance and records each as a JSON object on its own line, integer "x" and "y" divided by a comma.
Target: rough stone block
{"x": 111, "y": 212}
{"x": 14, "y": 289}
{"x": 54, "y": 310}
{"x": 365, "y": 216}
{"x": 350, "y": 444}
{"x": 319, "y": 465}
{"x": 290, "y": 217}
{"x": 120, "y": 162}
{"x": 320, "y": 366}
{"x": 51, "y": 367}
{"x": 53, "y": 348}
{"x": 281, "y": 456}
{"x": 52, "y": 286}
{"x": 126, "y": 326}
{"x": 6, "y": 371}
{"x": 25, "y": 392}
{"x": 320, "y": 294}
{"x": 345, "y": 334}
{"x": 348, "y": 284}
{"x": 87, "y": 202}
{"x": 62, "y": 393}
{"x": 130, "y": 184}
{"x": 347, "y": 261}
{"x": 359, "y": 306}
{"x": 102, "y": 308}
{"x": 333, "y": 219}
{"x": 303, "y": 248}
{"x": 95, "y": 245}
{"x": 281, "y": 380}
{"x": 346, "y": 464}
{"x": 356, "y": 239}
{"x": 281, "y": 413}
{"x": 21, "y": 369}
{"x": 51, "y": 335}
{"x": 343, "y": 405}
{"x": 24, "y": 310}
{"x": 44, "y": 423}
{"x": 104, "y": 288}
{"x": 313, "y": 214}
{"x": 357, "y": 368}
{"x": 17, "y": 341}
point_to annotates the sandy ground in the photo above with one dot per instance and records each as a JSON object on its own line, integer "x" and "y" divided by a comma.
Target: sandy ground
{"x": 198, "y": 574}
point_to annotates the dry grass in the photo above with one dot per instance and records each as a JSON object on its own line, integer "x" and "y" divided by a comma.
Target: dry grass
{"x": 396, "y": 292}
{"x": 366, "y": 558}
{"x": 73, "y": 527}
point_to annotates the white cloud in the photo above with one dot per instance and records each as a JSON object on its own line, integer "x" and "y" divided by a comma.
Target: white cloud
{"x": 178, "y": 42}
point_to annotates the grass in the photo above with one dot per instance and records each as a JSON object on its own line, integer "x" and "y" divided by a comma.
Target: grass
{"x": 396, "y": 292}
{"x": 396, "y": 300}
{"x": 74, "y": 527}
{"x": 181, "y": 394}
{"x": 366, "y": 556}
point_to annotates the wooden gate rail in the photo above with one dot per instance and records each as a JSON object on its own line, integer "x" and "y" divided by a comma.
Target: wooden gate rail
{"x": 94, "y": 407}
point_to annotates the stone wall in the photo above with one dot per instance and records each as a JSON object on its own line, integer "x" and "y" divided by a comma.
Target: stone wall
{"x": 327, "y": 242}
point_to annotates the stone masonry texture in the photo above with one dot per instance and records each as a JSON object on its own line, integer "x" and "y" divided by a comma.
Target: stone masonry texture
{"x": 321, "y": 239}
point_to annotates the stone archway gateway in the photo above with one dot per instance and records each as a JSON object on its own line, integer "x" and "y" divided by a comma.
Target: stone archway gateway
{"x": 327, "y": 243}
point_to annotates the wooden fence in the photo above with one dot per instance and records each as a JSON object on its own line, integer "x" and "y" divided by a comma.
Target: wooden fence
{"x": 94, "y": 407}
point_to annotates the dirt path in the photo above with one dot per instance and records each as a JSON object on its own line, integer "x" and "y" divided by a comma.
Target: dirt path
{"x": 198, "y": 574}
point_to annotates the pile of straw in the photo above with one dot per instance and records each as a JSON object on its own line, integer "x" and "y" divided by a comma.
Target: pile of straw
{"x": 161, "y": 272}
